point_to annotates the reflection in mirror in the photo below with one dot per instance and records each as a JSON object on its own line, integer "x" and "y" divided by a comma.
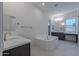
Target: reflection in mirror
{"x": 70, "y": 25}
{"x": 57, "y": 24}
{"x": 49, "y": 27}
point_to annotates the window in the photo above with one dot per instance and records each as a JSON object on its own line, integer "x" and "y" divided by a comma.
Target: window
{"x": 70, "y": 25}
{"x": 70, "y": 22}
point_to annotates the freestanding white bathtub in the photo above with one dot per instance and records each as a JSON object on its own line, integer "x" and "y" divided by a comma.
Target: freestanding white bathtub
{"x": 47, "y": 43}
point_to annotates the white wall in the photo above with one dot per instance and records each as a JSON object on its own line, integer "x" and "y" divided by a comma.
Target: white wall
{"x": 1, "y": 39}
{"x": 28, "y": 16}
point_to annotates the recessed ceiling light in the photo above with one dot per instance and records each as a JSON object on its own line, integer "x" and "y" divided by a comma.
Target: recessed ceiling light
{"x": 43, "y": 4}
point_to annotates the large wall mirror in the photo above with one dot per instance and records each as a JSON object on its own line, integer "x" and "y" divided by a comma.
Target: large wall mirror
{"x": 57, "y": 24}
{"x": 66, "y": 25}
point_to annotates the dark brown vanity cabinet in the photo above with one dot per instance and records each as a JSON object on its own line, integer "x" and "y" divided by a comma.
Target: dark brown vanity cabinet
{"x": 60, "y": 35}
{"x": 23, "y": 50}
{"x": 63, "y": 36}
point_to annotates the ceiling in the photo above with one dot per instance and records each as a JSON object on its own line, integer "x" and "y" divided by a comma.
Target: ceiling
{"x": 56, "y": 8}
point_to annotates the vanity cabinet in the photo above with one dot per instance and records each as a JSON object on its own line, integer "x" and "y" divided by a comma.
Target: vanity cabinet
{"x": 23, "y": 50}
{"x": 60, "y": 35}
{"x": 63, "y": 36}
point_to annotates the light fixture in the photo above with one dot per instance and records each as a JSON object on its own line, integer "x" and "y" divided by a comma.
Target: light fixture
{"x": 43, "y": 4}
{"x": 58, "y": 19}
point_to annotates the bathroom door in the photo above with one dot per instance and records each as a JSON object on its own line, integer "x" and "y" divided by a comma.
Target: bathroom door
{"x": 1, "y": 39}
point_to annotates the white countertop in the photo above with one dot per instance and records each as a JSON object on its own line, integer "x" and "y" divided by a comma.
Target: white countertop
{"x": 65, "y": 32}
{"x": 15, "y": 41}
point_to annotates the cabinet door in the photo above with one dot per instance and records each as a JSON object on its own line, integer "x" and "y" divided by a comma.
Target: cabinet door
{"x": 23, "y": 50}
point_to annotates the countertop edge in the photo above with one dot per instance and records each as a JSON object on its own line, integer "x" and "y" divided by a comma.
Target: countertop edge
{"x": 11, "y": 47}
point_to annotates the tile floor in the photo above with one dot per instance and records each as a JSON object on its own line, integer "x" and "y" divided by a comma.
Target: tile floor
{"x": 64, "y": 48}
